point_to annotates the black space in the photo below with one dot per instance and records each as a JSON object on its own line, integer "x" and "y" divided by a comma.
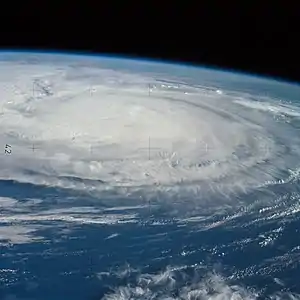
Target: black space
{"x": 257, "y": 37}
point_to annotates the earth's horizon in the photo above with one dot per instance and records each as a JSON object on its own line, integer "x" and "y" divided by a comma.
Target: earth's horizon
{"x": 136, "y": 179}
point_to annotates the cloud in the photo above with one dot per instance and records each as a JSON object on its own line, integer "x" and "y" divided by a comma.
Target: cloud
{"x": 16, "y": 234}
{"x": 100, "y": 130}
{"x": 181, "y": 283}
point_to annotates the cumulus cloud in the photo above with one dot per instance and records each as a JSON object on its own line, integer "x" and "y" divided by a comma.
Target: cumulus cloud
{"x": 181, "y": 283}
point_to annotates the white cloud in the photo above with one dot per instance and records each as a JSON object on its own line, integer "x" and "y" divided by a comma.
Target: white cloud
{"x": 92, "y": 133}
{"x": 179, "y": 283}
{"x": 16, "y": 234}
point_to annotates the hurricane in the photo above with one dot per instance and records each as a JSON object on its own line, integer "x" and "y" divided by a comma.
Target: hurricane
{"x": 146, "y": 180}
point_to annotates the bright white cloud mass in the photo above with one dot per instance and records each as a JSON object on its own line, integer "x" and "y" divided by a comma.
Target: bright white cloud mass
{"x": 137, "y": 135}
{"x": 98, "y": 124}
{"x": 140, "y": 133}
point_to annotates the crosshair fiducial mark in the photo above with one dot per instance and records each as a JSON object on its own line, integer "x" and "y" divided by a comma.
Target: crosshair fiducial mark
{"x": 149, "y": 148}
{"x": 7, "y": 149}
{"x": 33, "y": 148}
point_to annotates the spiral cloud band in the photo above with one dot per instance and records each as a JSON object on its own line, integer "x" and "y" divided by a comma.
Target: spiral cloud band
{"x": 138, "y": 133}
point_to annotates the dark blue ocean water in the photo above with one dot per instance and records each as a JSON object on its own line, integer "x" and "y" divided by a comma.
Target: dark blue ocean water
{"x": 257, "y": 250}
